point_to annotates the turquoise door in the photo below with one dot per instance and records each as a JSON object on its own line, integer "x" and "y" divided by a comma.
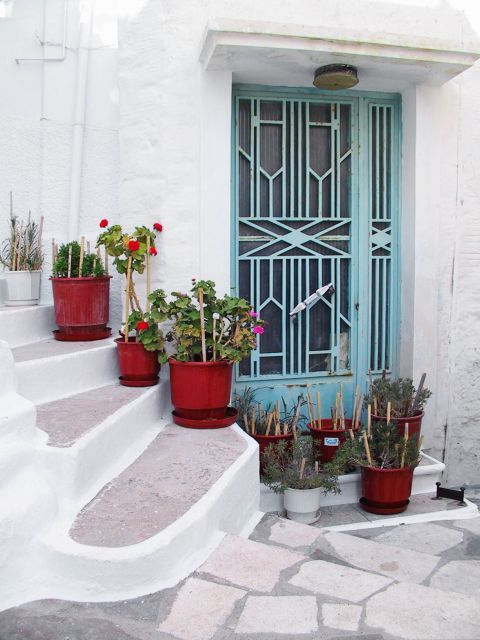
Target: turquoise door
{"x": 315, "y": 201}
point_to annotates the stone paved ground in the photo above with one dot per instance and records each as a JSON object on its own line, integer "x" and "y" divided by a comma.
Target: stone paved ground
{"x": 410, "y": 582}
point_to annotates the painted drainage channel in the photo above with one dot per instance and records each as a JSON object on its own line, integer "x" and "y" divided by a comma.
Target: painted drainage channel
{"x": 425, "y": 476}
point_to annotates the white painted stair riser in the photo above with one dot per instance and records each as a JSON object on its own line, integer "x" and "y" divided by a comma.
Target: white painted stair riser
{"x": 23, "y": 288}
{"x": 23, "y": 325}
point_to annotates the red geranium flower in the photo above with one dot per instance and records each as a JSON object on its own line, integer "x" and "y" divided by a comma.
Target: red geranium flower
{"x": 142, "y": 325}
{"x": 104, "y": 223}
{"x": 134, "y": 245}
{"x": 158, "y": 227}
{"x": 153, "y": 251}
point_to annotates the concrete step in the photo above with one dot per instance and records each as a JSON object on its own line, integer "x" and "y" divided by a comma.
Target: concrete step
{"x": 49, "y": 370}
{"x": 94, "y": 435}
{"x": 23, "y": 325}
{"x": 152, "y": 525}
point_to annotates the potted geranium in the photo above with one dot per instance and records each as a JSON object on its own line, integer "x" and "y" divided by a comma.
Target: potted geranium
{"x": 293, "y": 471}
{"x": 22, "y": 258}
{"x": 140, "y": 347}
{"x": 387, "y": 461}
{"x": 81, "y": 289}
{"x": 209, "y": 334}
{"x": 398, "y": 401}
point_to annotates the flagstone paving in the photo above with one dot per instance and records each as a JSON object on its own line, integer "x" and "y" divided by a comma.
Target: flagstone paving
{"x": 295, "y": 582}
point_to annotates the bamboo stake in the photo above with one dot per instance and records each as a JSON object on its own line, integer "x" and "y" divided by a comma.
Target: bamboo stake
{"x": 127, "y": 296}
{"x": 369, "y": 420}
{"x": 269, "y": 423}
{"x": 375, "y": 406}
{"x": 319, "y": 410}
{"x": 359, "y": 412}
{"x": 367, "y": 449}
{"x": 106, "y": 261}
{"x": 419, "y": 391}
{"x": 420, "y": 443}
{"x": 355, "y": 401}
{"x": 80, "y": 264}
{"x": 53, "y": 252}
{"x": 389, "y": 411}
{"x": 302, "y": 468}
{"x": 14, "y": 253}
{"x": 214, "y": 338}
{"x": 202, "y": 325}
{"x": 336, "y": 411}
{"x": 147, "y": 303}
{"x": 69, "y": 271}
{"x": 350, "y": 432}
{"x": 310, "y": 409}
{"x": 40, "y": 234}
{"x": 245, "y": 421}
{"x": 253, "y": 420}
{"x": 88, "y": 246}
{"x": 342, "y": 408}
{"x": 27, "y": 242}
{"x": 285, "y": 428}
{"x": 405, "y": 441}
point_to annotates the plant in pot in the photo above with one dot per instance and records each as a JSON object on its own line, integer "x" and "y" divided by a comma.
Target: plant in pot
{"x": 398, "y": 401}
{"x": 81, "y": 290}
{"x": 330, "y": 433}
{"x": 140, "y": 354}
{"x": 293, "y": 471}
{"x": 267, "y": 425}
{"x": 22, "y": 258}
{"x": 209, "y": 334}
{"x": 387, "y": 461}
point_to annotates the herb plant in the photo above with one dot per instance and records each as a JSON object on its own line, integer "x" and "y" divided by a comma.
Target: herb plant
{"x": 91, "y": 263}
{"x": 292, "y": 466}
{"x": 401, "y": 393}
{"x": 22, "y": 250}
{"x": 270, "y": 419}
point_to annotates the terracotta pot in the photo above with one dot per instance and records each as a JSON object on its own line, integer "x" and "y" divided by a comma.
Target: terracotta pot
{"x": 327, "y": 440}
{"x": 200, "y": 390}
{"x": 81, "y": 308}
{"x": 386, "y": 491}
{"x": 302, "y": 505}
{"x": 414, "y": 423}
{"x": 265, "y": 441}
{"x": 138, "y": 367}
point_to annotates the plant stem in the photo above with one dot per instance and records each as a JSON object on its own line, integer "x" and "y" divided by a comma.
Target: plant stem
{"x": 202, "y": 327}
{"x": 147, "y": 304}
{"x": 82, "y": 242}
{"x": 127, "y": 296}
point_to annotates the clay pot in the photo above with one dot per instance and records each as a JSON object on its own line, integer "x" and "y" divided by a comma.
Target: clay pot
{"x": 327, "y": 440}
{"x": 138, "y": 367}
{"x": 81, "y": 308}
{"x": 200, "y": 390}
{"x": 414, "y": 423}
{"x": 265, "y": 441}
{"x": 386, "y": 491}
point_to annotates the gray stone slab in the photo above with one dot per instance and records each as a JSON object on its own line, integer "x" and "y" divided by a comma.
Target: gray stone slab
{"x": 338, "y": 581}
{"x": 341, "y": 616}
{"x": 293, "y": 534}
{"x": 249, "y": 564}
{"x": 283, "y": 615}
{"x": 472, "y": 525}
{"x": 173, "y": 473}
{"x": 415, "y": 612}
{"x": 201, "y": 607}
{"x": 68, "y": 419}
{"x": 396, "y": 563}
{"x": 460, "y": 576}
{"x": 425, "y": 537}
{"x": 341, "y": 514}
{"x": 50, "y": 348}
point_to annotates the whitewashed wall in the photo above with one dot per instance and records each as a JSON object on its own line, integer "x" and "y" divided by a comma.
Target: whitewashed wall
{"x": 162, "y": 153}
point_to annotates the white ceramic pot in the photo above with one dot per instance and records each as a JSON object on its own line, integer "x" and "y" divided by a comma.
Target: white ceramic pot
{"x": 303, "y": 505}
{"x": 23, "y": 288}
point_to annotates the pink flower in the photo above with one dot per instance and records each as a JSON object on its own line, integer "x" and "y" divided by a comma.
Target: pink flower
{"x": 258, "y": 329}
{"x": 253, "y": 314}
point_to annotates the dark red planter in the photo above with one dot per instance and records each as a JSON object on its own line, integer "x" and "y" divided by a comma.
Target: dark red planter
{"x": 138, "y": 367}
{"x": 81, "y": 308}
{"x": 200, "y": 390}
{"x": 414, "y": 424}
{"x": 386, "y": 491}
{"x": 327, "y": 440}
{"x": 265, "y": 441}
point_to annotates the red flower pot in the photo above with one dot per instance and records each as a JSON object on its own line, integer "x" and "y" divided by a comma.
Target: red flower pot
{"x": 386, "y": 491}
{"x": 200, "y": 390}
{"x": 138, "y": 367}
{"x": 414, "y": 423}
{"x": 81, "y": 308}
{"x": 265, "y": 441}
{"x": 327, "y": 440}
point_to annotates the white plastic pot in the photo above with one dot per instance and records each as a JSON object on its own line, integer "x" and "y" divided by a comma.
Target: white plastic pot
{"x": 23, "y": 288}
{"x": 303, "y": 505}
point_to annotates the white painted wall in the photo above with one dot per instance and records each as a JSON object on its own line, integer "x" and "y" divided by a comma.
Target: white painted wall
{"x": 159, "y": 149}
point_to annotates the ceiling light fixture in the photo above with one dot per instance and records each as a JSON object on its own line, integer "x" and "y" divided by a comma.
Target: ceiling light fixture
{"x": 335, "y": 76}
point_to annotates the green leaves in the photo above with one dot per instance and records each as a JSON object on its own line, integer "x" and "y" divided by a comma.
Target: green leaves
{"x": 117, "y": 241}
{"x": 400, "y": 393}
{"x": 91, "y": 264}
